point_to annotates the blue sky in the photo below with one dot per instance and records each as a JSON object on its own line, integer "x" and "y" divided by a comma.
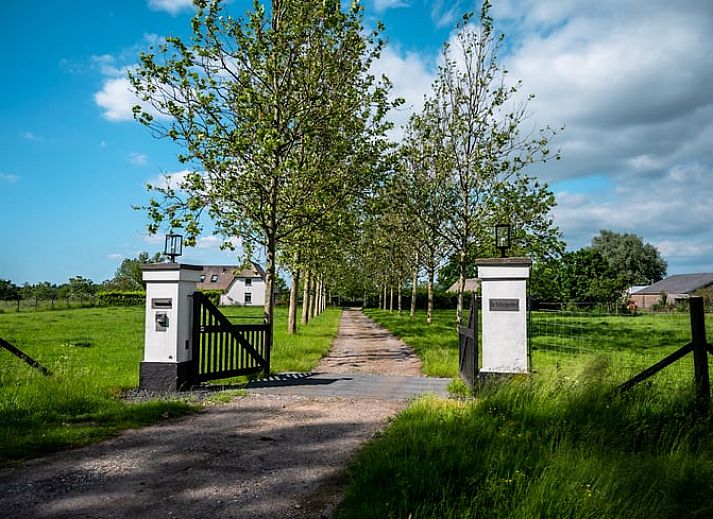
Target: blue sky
{"x": 631, "y": 81}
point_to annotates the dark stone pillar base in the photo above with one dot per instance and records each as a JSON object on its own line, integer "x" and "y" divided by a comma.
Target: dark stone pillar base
{"x": 165, "y": 376}
{"x": 494, "y": 376}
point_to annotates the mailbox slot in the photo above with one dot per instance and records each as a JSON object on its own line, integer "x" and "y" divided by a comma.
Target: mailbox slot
{"x": 161, "y": 303}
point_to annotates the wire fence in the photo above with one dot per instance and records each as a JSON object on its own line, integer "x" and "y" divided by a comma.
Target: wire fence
{"x": 626, "y": 342}
{"x": 35, "y": 304}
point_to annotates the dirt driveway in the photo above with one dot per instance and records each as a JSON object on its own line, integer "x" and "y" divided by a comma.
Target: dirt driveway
{"x": 259, "y": 456}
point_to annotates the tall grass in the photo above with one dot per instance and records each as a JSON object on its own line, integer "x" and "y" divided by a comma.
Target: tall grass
{"x": 561, "y": 342}
{"x": 94, "y": 355}
{"x": 540, "y": 448}
{"x": 550, "y": 445}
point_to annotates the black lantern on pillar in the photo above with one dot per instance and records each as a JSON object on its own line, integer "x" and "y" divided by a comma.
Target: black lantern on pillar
{"x": 173, "y": 246}
{"x": 502, "y": 238}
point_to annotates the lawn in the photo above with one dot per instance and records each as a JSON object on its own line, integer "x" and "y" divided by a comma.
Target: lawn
{"x": 94, "y": 355}
{"x": 551, "y": 445}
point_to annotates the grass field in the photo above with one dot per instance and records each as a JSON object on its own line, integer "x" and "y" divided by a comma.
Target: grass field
{"x": 562, "y": 341}
{"x": 94, "y": 355}
{"x": 551, "y": 445}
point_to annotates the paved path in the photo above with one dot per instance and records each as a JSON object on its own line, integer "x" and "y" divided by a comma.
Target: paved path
{"x": 350, "y": 385}
{"x": 366, "y": 361}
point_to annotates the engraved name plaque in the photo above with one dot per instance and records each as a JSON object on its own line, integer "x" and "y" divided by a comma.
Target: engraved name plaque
{"x": 504, "y": 305}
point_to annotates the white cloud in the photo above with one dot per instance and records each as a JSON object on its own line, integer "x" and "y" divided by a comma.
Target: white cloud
{"x": 138, "y": 159}
{"x": 411, "y": 79}
{"x": 116, "y": 99}
{"x": 208, "y": 242}
{"x": 27, "y": 135}
{"x": 7, "y": 177}
{"x": 106, "y": 63}
{"x": 444, "y": 13}
{"x": 154, "y": 239}
{"x": 115, "y": 256}
{"x": 630, "y": 80}
{"x": 170, "y": 180}
{"x": 383, "y": 5}
{"x": 173, "y": 7}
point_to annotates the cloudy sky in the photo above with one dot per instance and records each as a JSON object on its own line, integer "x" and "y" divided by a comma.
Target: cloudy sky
{"x": 631, "y": 81}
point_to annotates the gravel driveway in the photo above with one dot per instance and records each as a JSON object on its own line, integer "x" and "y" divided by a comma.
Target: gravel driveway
{"x": 259, "y": 456}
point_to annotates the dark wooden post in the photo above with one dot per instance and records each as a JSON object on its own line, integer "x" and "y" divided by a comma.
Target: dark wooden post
{"x": 700, "y": 353}
{"x": 196, "y": 303}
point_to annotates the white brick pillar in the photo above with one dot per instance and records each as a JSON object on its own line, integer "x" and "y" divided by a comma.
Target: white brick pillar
{"x": 504, "y": 296}
{"x": 167, "y": 359}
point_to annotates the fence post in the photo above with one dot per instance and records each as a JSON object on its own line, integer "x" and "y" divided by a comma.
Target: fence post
{"x": 700, "y": 353}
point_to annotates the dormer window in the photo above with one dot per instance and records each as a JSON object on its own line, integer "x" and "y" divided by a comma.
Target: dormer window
{"x": 214, "y": 278}
{"x": 248, "y": 282}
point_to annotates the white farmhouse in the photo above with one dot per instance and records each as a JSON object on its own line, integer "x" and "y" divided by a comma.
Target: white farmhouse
{"x": 243, "y": 287}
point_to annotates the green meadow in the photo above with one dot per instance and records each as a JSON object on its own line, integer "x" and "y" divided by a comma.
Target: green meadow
{"x": 94, "y": 355}
{"x": 555, "y": 444}
{"x": 561, "y": 342}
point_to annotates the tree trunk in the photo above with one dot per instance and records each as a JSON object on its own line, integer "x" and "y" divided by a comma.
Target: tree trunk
{"x": 305, "y": 298}
{"x": 320, "y": 296}
{"x": 312, "y": 297}
{"x": 429, "y": 312}
{"x": 386, "y": 297}
{"x": 461, "y": 287}
{"x": 269, "y": 283}
{"x": 414, "y": 293}
{"x": 363, "y": 304}
{"x": 380, "y": 304}
{"x": 399, "y": 301}
{"x": 292, "y": 314}
{"x": 391, "y": 298}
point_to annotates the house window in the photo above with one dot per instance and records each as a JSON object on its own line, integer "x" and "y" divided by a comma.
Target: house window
{"x": 248, "y": 298}
{"x": 248, "y": 282}
{"x": 202, "y": 278}
{"x": 214, "y": 278}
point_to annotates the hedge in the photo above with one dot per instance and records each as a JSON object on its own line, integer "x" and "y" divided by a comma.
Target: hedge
{"x": 121, "y": 298}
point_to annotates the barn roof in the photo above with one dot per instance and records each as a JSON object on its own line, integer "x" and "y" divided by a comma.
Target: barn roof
{"x": 471, "y": 285}
{"x": 226, "y": 274}
{"x": 679, "y": 284}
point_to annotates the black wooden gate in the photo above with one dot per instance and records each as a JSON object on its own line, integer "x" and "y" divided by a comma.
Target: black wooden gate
{"x": 468, "y": 345}
{"x": 222, "y": 349}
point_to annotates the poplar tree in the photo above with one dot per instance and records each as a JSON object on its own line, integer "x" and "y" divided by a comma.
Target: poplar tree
{"x": 481, "y": 147}
{"x": 276, "y": 112}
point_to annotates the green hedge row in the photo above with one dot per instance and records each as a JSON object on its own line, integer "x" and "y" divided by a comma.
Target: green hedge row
{"x": 121, "y": 298}
{"x": 138, "y": 298}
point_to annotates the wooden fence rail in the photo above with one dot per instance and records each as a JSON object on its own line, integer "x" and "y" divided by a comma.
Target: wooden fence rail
{"x": 26, "y": 358}
{"x": 700, "y": 348}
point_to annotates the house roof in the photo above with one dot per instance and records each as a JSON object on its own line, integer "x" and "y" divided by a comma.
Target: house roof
{"x": 679, "y": 284}
{"x": 471, "y": 285}
{"x": 226, "y": 274}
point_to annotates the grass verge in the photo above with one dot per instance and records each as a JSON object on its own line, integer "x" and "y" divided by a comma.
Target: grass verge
{"x": 533, "y": 448}
{"x": 553, "y": 444}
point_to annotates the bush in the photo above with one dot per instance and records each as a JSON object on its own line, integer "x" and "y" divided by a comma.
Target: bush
{"x": 442, "y": 300}
{"x": 121, "y": 298}
{"x": 213, "y": 296}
